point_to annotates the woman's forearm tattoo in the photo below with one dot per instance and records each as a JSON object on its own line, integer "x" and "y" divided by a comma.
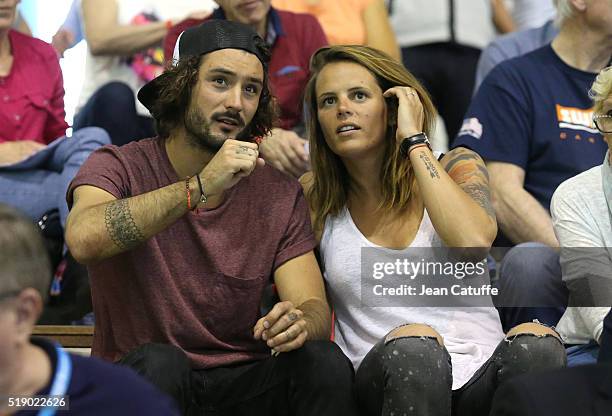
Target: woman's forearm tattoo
{"x": 433, "y": 172}
{"x": 120, "y": 225}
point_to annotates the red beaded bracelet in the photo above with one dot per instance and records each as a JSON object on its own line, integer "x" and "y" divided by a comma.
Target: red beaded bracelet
{"x": 188, "y": 193}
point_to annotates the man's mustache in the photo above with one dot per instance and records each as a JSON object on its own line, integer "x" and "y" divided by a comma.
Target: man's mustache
{"x": 229, "y": 116}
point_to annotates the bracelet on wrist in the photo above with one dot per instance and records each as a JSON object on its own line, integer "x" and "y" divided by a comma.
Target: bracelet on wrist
{"x": 203, "y": 197}
{"x": 409, "y": 142}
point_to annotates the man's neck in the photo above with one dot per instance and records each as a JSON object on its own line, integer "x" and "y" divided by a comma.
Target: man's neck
{"x": 262, "y": 28}
{"x": 186, "y": 159}
{"x": 582, "y": 48}
{"x": 31, "y": 372}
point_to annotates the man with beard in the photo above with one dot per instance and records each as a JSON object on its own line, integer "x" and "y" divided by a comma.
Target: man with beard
{"x": 183, "y": 233}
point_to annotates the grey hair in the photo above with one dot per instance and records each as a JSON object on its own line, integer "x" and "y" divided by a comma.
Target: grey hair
{"x": 601, "y": 88}
{"x": 24, "y": 262}
{"x": 564, "y": 11}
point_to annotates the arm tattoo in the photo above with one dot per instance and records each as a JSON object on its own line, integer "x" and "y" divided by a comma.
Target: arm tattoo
{"x": 481, "y": 195}
{"x": 467, "y": 169}
{"x": 120, "y": 225}
{"x": 433, "y": 172}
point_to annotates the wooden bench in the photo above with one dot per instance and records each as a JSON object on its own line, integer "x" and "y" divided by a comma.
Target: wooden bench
{"x": 77, "y": 339}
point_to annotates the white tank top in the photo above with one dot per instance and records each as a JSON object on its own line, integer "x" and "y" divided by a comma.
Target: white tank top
{"x": 470, "y": 334}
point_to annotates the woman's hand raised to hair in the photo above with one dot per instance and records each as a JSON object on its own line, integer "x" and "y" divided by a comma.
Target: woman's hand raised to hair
{"x": 410, "y": 114}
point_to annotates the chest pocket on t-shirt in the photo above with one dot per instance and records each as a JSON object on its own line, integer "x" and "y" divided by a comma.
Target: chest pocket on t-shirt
{"x": 232, "y": 305}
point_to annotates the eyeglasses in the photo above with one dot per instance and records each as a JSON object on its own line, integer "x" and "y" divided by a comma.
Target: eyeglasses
{"x": 603, "y": 122}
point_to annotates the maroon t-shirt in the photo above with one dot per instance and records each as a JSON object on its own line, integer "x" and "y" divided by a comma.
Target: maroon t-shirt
{"x": 198, "y": 284}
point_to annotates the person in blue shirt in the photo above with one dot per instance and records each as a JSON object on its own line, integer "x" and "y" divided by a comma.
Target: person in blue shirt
{"x": 37, "y": 367}
{"x": 512, "y": 45}
{"x": 531, "y": 121}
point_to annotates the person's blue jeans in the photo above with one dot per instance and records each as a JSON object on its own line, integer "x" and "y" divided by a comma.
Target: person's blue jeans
{"x": 530, "y": 286}
{"x": 582, "y": 354}
{"x": 39, "y": 184}
{"x": 113, "y": 108}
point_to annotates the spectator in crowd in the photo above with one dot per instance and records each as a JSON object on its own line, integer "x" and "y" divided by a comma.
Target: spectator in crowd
{"x": 350, "y": 22}
{"x": 293, "y": 38}
{"x": 71, "y": 31}
{"x": 373, "y": 172}
{"x": 32, "y": 366}
{"x": 512, "y": 45}
{"x": 172, "y": 260}
{"x": 35, "y": 168}
{"x": 124, "y": 52}
{"x": 529, "y": 14}
{"x": 441, "y": 41}
{"x": 581, "y": 210}
{"x": 531, "y": 121}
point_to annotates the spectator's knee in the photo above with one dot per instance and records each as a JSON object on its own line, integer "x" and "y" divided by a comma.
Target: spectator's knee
{"x": 530, "y": 266}
{"x": 322, "y": 364}
{"x": 532, "y": 347}
{"x": 414, "y": 330}
{"x": 114, "y": 95}
{"x": 91, "y": 137}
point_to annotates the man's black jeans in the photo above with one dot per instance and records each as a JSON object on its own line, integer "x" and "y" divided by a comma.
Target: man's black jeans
{"x": 313, "y": 380}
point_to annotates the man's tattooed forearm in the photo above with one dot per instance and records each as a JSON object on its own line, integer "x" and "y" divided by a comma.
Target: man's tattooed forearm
{"x": 481, "y": 195}
{"x": 433, "y": 172}
{"x": 120, "y": 225}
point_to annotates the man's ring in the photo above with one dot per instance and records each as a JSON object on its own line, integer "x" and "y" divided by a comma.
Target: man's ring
{"x": 243, "y": 150}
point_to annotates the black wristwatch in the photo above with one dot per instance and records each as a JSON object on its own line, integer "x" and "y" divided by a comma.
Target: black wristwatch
{"x": 408, "y": 142}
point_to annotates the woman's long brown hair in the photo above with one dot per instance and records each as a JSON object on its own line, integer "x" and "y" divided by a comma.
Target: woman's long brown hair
{"x": 329, "y": 189}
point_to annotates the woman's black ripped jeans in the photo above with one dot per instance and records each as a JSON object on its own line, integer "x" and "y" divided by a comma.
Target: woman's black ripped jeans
{"x": 412, "y": 375}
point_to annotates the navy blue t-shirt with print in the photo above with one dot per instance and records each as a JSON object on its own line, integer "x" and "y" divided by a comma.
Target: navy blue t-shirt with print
{"x": 98, "y": 388}
{"x": 534, "y": 112}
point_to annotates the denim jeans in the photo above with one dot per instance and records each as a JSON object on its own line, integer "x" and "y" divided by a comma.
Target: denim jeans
{"x": 315, "y": 379}
{"x": 582, "y": 354}
{"x": 413, "y": 375}
{"x": 39, "y": 183}
{"x": 113, "y": 108}
{"x": 530, "y": 286}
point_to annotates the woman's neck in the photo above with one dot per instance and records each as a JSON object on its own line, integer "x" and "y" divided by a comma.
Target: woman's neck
{"x": 365, "y": 181}
{"x": 5, "y": 44}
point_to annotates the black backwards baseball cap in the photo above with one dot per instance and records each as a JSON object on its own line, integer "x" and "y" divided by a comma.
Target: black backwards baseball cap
{"x": 210, "y": 36}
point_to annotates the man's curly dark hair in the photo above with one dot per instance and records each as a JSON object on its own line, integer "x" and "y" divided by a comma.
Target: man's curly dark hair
{"x": 174, "y": 96}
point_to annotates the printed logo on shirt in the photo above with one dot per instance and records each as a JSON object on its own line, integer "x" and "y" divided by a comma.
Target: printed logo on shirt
{"x": 575, "y": 119}
{"x": 471, "y": 127}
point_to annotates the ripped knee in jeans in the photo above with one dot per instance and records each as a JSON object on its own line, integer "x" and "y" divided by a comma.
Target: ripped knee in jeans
{"x": 532, "y": 328}
{"x": 414, "y": 331}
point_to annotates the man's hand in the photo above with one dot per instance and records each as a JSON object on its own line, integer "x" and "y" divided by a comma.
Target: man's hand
{"x": 285, "y": 150}
{"x": 283, "y": 328}
{"x": 13, "y": 152}
{"x": 234, "y": 161}
{"x": 61, "y": 41}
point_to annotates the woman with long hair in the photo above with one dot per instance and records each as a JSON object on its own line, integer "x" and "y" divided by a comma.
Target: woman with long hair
{"x": 376, "y": 185}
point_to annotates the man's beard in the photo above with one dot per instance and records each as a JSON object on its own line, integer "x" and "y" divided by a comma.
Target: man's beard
{"x": 198, "y": 129}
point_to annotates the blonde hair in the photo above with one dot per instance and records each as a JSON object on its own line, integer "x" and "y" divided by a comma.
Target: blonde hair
{"x": 328, "y": 193}
{"x": 564, "y": 11}
{"x": 601, "y": 88}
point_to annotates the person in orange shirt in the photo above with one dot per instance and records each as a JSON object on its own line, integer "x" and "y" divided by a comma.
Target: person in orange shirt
{"x": 350, "y": 22}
